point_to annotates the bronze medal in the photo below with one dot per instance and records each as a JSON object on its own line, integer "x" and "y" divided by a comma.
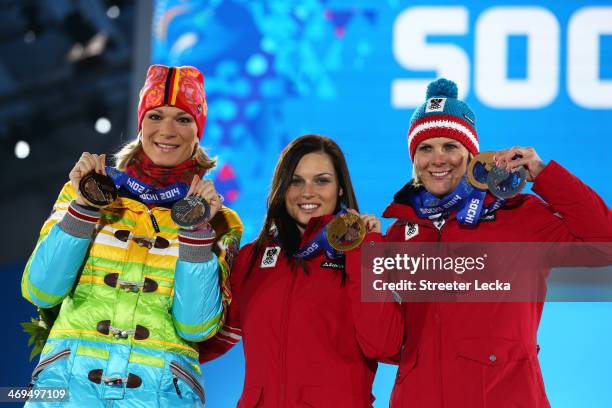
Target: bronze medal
{"x": 346, "y": 232}
{"x": 97, "y": 189}
{"x": 483, "y": 174}
{"x": 190, "y": 212}
{"x": 479, "y": 168}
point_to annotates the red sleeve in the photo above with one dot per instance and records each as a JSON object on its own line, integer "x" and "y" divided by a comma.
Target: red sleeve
{"x": 230, "y": 333}
{"x": 581, "y": 213}
{"x": 379, "y": 325}
{"x": 572, "y": 214}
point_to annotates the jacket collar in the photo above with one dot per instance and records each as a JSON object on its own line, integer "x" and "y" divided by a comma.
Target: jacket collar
{"x": 313, "y": 227}
{"x": 123, "y": 202}
{"x": 400, "y": 207}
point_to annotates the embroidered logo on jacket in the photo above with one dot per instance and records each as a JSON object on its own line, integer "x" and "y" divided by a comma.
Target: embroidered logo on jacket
{"x": 435, "y": 105}
{"x": 332, "y": 265}
{"x": 270, "y": 257}
{"x": 410, "y": 231}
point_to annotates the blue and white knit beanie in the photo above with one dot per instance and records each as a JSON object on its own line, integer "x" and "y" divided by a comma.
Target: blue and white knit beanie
{"x": 443, "y": 115}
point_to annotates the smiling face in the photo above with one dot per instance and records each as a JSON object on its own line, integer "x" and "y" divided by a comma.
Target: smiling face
{"x": 440, "y": 163}
{"x": 169, "y": 135}
{"x": 313, "y": 190}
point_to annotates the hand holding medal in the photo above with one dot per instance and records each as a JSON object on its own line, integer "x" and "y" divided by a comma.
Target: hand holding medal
{"x": 521, "y": 157}
{"x": 347, "y": 230}
{"x": 89, "y": 180}
{"x": 200, "y": 205}
{"x": 504, "y": 173}
{"x": 343, "y": 233}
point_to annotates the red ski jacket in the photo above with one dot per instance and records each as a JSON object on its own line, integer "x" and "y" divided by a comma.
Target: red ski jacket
{"x": 478, "y": 355}
{"x": 308, "y": 339}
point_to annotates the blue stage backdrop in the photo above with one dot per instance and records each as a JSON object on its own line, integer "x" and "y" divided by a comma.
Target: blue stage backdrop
{"x": 537, "y": 73}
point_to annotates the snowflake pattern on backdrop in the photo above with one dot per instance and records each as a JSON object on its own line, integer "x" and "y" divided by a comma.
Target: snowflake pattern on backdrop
{"x": 256, "y": 57}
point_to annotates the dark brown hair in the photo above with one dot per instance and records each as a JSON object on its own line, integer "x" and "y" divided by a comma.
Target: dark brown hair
{"x": 277, "y": 217}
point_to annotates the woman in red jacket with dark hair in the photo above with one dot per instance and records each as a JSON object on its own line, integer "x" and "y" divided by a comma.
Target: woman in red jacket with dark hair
{"x": 477, "y": 355}
{"x": 308, "y": 339}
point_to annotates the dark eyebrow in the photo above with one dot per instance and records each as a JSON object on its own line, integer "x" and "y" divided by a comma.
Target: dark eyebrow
{"x": 315, "y": 176}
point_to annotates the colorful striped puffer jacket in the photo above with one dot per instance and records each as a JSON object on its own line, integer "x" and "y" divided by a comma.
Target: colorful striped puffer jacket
{"x": 136, "y": 296}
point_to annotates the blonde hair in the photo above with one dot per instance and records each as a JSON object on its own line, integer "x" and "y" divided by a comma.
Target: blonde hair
{"x": 129, "y": 150}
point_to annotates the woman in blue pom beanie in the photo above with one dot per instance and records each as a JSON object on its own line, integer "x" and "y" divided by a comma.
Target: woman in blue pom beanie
{"x": 478, "y": 354}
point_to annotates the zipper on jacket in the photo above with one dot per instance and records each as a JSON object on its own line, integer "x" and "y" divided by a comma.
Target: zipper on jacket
{"x": 176, "y": 387}
{"x": 178, "y": 371}
{"x": 284, "y": 337}
{"x": 153, "y": 220}
{"x": 438, "y": 340}
{"x": 49, "y": 360}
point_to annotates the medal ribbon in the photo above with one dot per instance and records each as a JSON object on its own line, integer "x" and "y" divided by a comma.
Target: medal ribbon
{"x": 467, "y": 200}
{"x": 320, "y": 243}
{"x": 146, "y": 193}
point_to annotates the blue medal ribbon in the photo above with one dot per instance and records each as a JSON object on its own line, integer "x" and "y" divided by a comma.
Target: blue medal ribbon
{"x": 320, "y": 243}
{"x": 465, "y": 199}
{"x": 146, "y": 193}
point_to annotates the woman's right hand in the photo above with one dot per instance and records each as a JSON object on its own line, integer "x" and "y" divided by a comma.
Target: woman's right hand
{"x": 371, "y": 222}
{"x": 86, "y": 164}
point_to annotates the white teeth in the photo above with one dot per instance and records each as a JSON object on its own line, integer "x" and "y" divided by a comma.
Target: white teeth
{"x": 441, "y": 174}
{"x": 309, "y": 206}
{"x": 166, "y": 146}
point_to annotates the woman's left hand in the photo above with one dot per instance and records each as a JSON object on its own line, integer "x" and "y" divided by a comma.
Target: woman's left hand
{"x": 371, "y": 222}
{"x": 206, "y": 190}
{"x": 512, "y": 159}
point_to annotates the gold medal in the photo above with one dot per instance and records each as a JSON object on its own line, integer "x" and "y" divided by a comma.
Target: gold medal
{"x": 475, "y": 175}
{"x": 345, "y": 232}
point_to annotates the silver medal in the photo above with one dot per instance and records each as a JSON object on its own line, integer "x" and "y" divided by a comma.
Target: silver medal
{"x": 504, "y": 184}
{"x": 190, "y": 212}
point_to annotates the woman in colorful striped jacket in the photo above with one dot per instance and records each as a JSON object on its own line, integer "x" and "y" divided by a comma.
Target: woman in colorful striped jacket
{"x": 136, "y": 291}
